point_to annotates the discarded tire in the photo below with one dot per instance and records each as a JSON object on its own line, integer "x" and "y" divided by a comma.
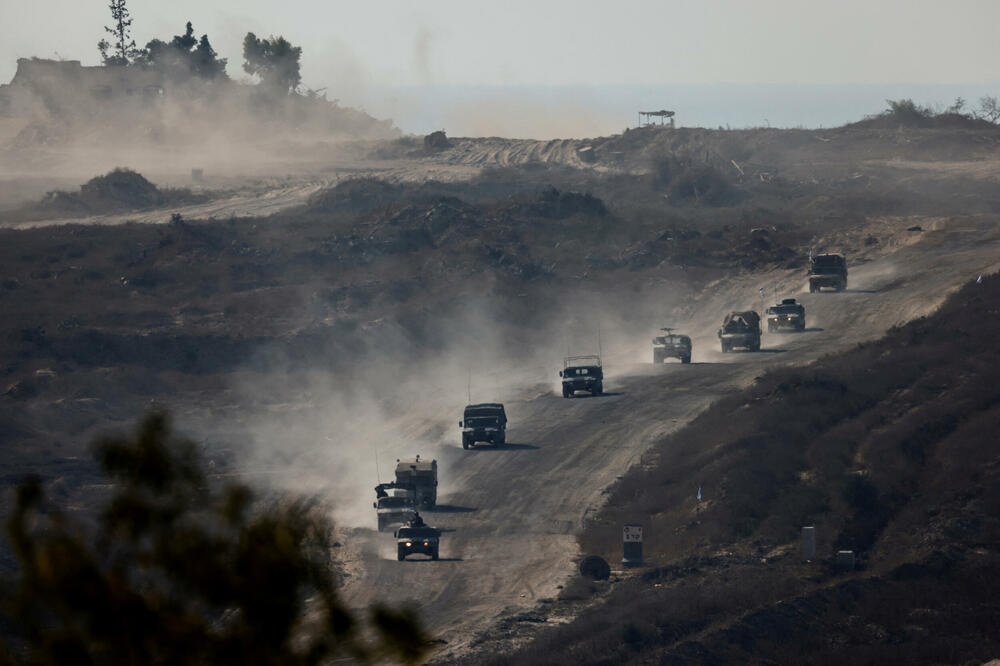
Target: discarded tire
{"x": 595, "y": 568}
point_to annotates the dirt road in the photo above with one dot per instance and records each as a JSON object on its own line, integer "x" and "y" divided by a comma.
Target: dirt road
{"x": 512, "y": 513}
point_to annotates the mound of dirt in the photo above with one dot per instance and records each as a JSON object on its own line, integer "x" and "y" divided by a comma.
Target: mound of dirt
{"x": 122, "y": 188}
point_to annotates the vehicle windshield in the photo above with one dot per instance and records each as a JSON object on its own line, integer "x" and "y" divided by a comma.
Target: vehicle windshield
{"x": 416, "y": 532}
{"x": 676, "y": 340}
{"x": 394, "y": 503}
{"x": 481, "y": 421}
{"x": 784, "y": 309}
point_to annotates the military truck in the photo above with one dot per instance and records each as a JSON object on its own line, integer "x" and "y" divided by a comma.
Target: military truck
{"x": 740, "y": 329}
{"x": 827, "y": 270}
{"x": 788, "y": 314}
{"x": 421, "y": 477}
{"x": 582, "y": 373}
{"x": 671, "y": 345}
{"x": 484, "y": 422}
{"x": 422, "y": 539}
{"x": 393, "y": 506}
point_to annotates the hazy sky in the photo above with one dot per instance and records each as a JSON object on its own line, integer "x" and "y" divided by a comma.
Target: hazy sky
{"x": 361, "y": 51}
{"x": 392, "y": 42}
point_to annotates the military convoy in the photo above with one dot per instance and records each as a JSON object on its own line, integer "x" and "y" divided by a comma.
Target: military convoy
{"x": 484, "y": 422}
{"x": 671, "y": 345}
{"x": 582, "y": 373}
{"x": 740, "y": 329}
{"x": 788, "y": 314}
{"x": 415, "y": 485}
{"x": 827, "y": 270}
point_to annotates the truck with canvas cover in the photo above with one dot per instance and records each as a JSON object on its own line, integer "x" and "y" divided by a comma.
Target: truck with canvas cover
{"x": 788, "y": 314}
{"x": 582, "y": 373}
{"x": 484, "y": 422}
{"x": 422, "y": 476}
{"x": 827, "y": 270}
{"x": 671, "y": 345}
{"x": 740, "y": 329}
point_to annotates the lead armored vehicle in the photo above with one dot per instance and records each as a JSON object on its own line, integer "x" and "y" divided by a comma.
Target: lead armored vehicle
{"x": 422, "y": 539}
{"x": 484, "y": 422}
{"x": 827, "y": 270}
{"x": 788, "y": 314}
{"x": 740, "y": 329}
{"x": 582, "y": 373}
{"x": 671, "y": 345}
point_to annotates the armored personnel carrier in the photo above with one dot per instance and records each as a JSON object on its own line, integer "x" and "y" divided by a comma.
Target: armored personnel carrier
{"x": 582, "y": 373}
{"x": 393, "y": 506}
{"x": 827, "y": 270}
{"x": 671, "y": 345}
{"x": 740, "y": 329}
{"x": 484, "y": 422}
{"x": 788, "y": 314}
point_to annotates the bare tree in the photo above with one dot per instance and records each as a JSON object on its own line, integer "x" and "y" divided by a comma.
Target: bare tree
{"x": 123, "y": 50}
{"x": 989, "y": 108}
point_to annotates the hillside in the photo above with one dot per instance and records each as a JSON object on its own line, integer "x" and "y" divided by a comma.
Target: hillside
{"x": 889, "y": 450}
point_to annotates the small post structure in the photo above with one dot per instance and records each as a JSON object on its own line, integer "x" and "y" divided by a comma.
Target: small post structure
{"x": 845, "y": 560}
{"x": 809, "y": 543}
{"x": 632, "y": 545}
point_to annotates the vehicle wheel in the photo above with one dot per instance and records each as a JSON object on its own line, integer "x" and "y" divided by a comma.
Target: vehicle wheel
{"x": 686, "y": 359}
{"x": 567, "y": 393}
{"x": 434, "y": 555}
{"x": 812, "y": 288}
{"x": 725, "y": 348}
{"x": 755, "y": 347}
{"x": 770, "y": 328}
{"x": 400, "y": 556}
{"x": 465, "y": 444}
{"x": 597, "y": 390}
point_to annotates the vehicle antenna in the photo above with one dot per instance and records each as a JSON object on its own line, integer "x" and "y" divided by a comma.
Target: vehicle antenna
{"x": 470, "y": 386}
{"x": 378, "y": 475}
{"x": 599, "y": 350}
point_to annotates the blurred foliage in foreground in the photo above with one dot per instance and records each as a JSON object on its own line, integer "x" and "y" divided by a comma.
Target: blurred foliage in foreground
{"x": 177, "y": 572}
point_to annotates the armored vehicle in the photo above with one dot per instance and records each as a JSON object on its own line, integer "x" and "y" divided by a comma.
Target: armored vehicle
{"x": 582, "y": 373}
{"x": 671, "y": 345}
{"x": 393, "y": 509}
{"x": 423, "y": 539}
{"x": 827, "y": 270}
{"x": 421, "y": 477}
{"x": 485, "y": 422}
{"x": 740, "y": 329}
{"x": 787, "y": 314}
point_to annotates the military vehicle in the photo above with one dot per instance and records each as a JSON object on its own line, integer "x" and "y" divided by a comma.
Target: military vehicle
{"x": 671, "y": 345}
{"x": 485, "y": 422}
{"x": 396, "y": 508}
{"x": 422, "y": 539}
{"x": 787, "y": 314}
{"x": 421, "y": 477}
{"x": 740, "y": 329}
{"x": 582, "y": 373}
{"x": 827, "y": 270}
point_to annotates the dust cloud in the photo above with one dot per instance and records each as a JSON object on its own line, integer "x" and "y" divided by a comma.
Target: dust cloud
{"x": 336, "y": 433}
